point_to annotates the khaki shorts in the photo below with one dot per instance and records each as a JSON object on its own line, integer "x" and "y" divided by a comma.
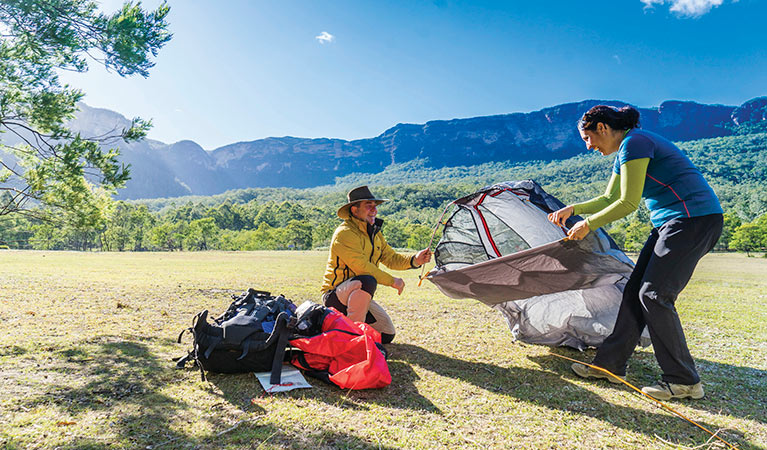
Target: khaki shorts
{"x": 377, "y": 317}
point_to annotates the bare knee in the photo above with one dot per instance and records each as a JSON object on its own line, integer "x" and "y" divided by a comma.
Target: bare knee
{"x": 359, "y": 296}
{"x": 358, "y": 305}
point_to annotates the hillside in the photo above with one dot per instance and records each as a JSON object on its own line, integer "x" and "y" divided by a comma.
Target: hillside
{"x": 264, "y": 218}
{"x": 290, "y": 218}
{"x": 736, "y": 166}
{"x": 546, "y": 135}
{"x": 185, "y": 168}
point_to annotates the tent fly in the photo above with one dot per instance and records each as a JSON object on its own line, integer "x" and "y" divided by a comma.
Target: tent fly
{"x": 499, "y": 247}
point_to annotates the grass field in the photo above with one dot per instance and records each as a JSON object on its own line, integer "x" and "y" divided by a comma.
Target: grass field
{"x": 87, "y": 341}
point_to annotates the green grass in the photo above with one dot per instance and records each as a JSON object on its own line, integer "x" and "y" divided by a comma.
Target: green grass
{"x": 87, "y": 342}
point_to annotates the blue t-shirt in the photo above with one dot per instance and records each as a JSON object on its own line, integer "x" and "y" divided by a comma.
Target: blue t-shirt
{"x": 673, "y": 187}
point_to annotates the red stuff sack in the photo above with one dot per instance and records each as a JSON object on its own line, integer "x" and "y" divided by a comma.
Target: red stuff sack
{"x": 347, "y": 354}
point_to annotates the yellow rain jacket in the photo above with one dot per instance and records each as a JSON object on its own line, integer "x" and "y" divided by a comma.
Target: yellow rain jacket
{"x": 353, "y": 252}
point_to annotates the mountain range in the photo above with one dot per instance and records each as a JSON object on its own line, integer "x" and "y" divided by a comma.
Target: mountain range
{"x": 185, "y": 168}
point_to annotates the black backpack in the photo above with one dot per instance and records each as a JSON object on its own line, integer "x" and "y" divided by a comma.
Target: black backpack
{"x": 250, "y": 336}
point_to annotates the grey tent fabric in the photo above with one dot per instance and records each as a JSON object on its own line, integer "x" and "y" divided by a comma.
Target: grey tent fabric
{"x": 498, "y": 247}
{"x": 554, "y": 267}
{"x": 576, "y": 319}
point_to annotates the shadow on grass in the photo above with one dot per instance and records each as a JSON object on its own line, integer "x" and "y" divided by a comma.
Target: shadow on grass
{"x": 401, "y": 394}
{"x": 730, "y": 389}
{"x": 551, "y": 387}
{"x": 245, "y": 435}
{"x": 251, "y": 436}
{"x": 121, "y": 383}
{"x": 14, "y": 350}
{"x": 118, "y": 378}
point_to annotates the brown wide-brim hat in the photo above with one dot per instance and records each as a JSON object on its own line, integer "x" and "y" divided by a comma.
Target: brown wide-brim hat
{"x": 356, "y": 195}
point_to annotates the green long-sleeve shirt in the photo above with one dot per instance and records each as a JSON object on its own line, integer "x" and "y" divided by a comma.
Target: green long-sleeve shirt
{"x": 621, "y": 197}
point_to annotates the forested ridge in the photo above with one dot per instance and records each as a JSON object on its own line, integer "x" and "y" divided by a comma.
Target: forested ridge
{"x": 283, "y": 218}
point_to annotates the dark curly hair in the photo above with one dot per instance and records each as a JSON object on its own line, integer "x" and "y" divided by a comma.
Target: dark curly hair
{"x": 618, "y": 119}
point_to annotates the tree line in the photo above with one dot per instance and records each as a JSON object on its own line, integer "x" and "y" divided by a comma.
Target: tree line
{"x": 126, "y": 226}
{"x": 304, "y": 224}
{"x": 301, "y": 219}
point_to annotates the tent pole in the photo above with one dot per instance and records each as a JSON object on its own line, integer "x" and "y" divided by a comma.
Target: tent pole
{"x": 431, "y": 240}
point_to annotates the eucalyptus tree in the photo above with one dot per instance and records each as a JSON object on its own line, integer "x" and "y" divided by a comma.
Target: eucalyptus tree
{"x": 42, "y": 162}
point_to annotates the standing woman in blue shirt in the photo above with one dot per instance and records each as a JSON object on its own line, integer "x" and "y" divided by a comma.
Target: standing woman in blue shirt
{"x": 687, "y": 221}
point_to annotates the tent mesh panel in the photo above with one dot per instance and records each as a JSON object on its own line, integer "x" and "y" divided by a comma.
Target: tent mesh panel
{"x": 459, "y": 253}
{"x": 506, "y": 240}
{"x": 461, "y": 243}
{"x": 460, "y": 234}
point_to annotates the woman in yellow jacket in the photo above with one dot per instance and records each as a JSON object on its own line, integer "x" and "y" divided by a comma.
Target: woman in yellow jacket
{"x": 352, "y": 273}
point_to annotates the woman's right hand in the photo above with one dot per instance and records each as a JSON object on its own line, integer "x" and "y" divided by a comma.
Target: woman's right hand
{"x": 560, "y": 216}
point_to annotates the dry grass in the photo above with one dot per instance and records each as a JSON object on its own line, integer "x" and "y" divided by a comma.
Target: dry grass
{"x": 87, "y": 340}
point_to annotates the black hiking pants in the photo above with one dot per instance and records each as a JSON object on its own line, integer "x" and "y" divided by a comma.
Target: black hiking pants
{"x": 663, "y": 269}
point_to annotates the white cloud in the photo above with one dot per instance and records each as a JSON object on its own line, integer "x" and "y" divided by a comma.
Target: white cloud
{"x": 650, "y": 4}
{"x": 685, "y": 8}
{"x": 617, "y": 58}
{"x": 325, "y": 38}
{"x": 4, "y": 30}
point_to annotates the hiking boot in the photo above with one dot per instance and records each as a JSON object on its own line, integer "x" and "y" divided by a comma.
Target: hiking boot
{"x": 667, "y": 391}
{"x": 585, "y": 371}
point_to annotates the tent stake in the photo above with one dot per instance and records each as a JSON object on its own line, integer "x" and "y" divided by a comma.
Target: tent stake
{"x": 646, "y": 395}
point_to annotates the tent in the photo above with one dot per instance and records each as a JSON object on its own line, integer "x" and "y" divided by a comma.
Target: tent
{"x": 499, "y": 247}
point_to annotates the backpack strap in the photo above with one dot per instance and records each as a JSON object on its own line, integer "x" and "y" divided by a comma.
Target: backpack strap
{"x": 268, "y": 308}
{"x": 245, "y": 301}
{"x": 245, "y": 348}
{"x": 248, "y": 309}
{"x": 322, "y": 375}
{"x": 197, "y": 361}
{"x": 194, "y": 354}
{"x": 258, "y": 293}
{"x": 281, "y": 330}
{"x": 181, "y": 362}
{"x": 178, "y": 341}
{"x": 199, "y": 323}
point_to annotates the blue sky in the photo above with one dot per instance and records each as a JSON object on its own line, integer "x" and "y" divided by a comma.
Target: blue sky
{"x": 239, "y": 70}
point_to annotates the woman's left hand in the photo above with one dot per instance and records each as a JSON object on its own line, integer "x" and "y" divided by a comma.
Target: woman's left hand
{"x": 578, "y": 231}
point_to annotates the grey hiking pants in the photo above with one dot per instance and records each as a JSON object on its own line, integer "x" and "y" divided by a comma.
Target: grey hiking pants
{"x": 663, "y": 269}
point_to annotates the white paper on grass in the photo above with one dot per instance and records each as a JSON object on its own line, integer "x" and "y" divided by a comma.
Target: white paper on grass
{"x": 291, "y": 379}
